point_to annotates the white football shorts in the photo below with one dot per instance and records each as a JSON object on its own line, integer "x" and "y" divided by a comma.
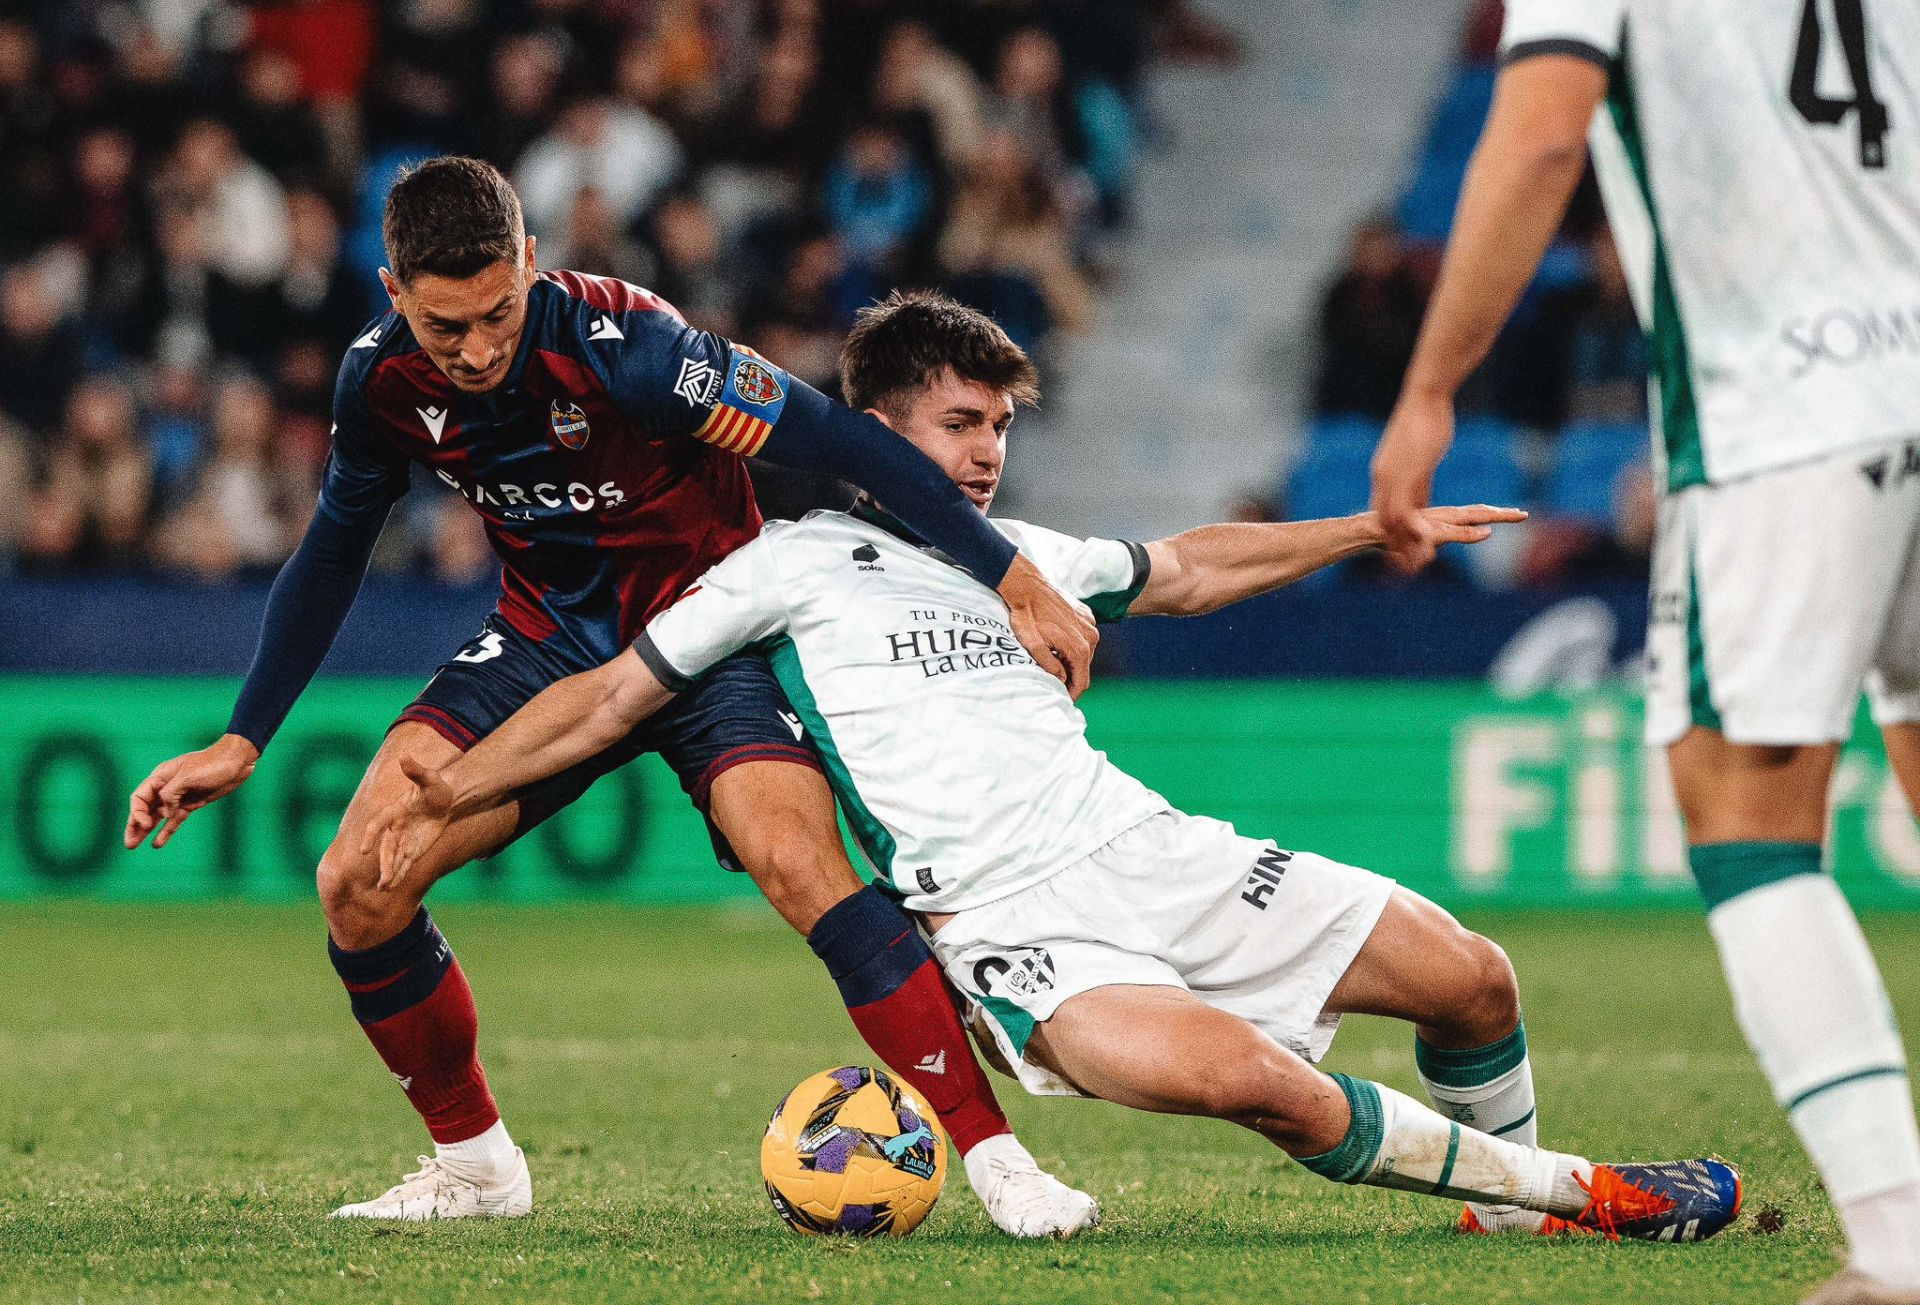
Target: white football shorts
{"x": 1777, "y": 598}
{"x": 1177, "y": 901}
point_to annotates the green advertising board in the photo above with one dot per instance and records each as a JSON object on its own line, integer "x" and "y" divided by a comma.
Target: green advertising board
{"x": 1456, "y": 792}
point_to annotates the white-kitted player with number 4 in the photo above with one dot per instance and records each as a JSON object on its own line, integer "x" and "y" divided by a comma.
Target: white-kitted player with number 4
{"x": 1111, "y": 946}
{"x": 1760, "y": 162}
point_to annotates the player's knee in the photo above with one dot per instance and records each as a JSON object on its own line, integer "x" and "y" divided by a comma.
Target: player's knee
{"x": 1491, "y": 1005}
{"x": 358, "y": 914}
{"x": 1259, "y": 1090}
{"x": 799, "y": 878}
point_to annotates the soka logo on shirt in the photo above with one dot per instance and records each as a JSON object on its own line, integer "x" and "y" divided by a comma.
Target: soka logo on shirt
{"x": 569, "y": 425}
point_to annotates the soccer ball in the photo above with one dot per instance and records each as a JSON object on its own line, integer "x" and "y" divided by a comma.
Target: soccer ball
{"x": 852, "y": 1151}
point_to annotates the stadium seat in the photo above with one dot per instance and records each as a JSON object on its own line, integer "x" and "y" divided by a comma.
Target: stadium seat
{"x": 1329, "y": 482}
{"x": 1426, "y": 207}
{"x": 1591, "y": 456}
{"x": 1460, "y": 114}
{"x": 1486, "y": 433}
{"x": 1479, "y": 473}
{"x": 1425, "y": 211}
{"x": 1480, "y": 468}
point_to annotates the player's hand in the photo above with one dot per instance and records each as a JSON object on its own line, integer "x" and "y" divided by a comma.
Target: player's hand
{"x": 1058, "y": 633}
{"x": 409, "y": 823}
{"x": 1467, "y": 525}
{"x": 178, "y": 788}
{"x": 1416, "y": 438}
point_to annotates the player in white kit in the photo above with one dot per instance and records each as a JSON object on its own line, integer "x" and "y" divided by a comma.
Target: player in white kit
{"x": 1111, "y": 946}
{"x": 1760, "y": 163}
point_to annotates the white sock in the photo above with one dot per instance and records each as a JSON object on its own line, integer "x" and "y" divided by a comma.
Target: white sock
{"x": 482, "y": 1158}
{"x": 1812, "y": 1004}
{"x": 1880, "y": 1230}
{"x": 1489, "y": 1089}
{"x": 1002, "y": 1146}
{"x": 1393, "y": 1141}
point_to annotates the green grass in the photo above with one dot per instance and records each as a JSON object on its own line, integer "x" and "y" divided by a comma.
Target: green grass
{"x": 183, "y": 1096}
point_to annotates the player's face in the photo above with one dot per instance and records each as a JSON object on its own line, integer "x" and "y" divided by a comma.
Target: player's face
{"x": 470, "y": 327}
{"x": 962, "y": 426}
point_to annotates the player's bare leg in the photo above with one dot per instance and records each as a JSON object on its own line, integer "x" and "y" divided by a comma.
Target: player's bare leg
{"x": 779, "y": 819}
{"x": 1458, "y": 990}
{"x": 1163, "y": 1049}
{"x": 413, "y": 1001}
{"x": 1903, "y": 755}
{"x": 1806, "y": 989}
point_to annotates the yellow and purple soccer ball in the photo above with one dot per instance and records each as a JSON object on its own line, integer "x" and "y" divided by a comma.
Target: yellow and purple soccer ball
{"x": 853, "y": 1151}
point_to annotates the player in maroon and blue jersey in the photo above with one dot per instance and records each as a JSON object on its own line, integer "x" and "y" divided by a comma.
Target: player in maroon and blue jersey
{"x": 602, "y": 440}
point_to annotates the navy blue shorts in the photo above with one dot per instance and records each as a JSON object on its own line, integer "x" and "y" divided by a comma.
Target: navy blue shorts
{"x": 736, "y": 713}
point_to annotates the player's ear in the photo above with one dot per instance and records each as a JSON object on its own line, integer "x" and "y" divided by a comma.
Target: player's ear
{"x": 391, "y": 284}
{"x": 882, "y": 417}
{"x": 530, "y": 263}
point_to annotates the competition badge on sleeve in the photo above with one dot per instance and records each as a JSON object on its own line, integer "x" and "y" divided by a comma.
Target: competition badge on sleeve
{"x": 749, "y": 404}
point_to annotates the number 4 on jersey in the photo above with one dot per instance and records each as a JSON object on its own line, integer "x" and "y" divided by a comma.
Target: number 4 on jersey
{"x": 1849, "y": 17}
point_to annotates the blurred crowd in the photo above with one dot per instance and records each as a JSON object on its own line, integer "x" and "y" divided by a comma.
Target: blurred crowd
{"x": 190, "y": 193}
{"x": 1555, "y": 420}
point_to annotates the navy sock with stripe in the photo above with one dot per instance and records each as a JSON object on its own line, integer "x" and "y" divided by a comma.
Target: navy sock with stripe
{"x": 413, "y": 1003}
{"x": 899, "y": 1001}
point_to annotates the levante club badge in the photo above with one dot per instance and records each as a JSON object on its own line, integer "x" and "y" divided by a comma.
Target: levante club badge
{"x": 755, "y": 383}
{"x": 569, "y": 425}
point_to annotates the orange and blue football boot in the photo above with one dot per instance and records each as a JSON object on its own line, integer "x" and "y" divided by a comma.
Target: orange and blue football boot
{"x": 1666, "y": 1201}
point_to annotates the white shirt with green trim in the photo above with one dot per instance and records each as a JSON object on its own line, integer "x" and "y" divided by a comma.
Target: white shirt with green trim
{"x": 1760, "y": 162}
{"x": 963, "y": 769}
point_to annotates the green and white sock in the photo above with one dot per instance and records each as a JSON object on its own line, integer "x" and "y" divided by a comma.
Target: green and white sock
{"x": 1490, "y": 1089}
{"x": 1393, "y": 1141}
{"x": 1810, "y": 999}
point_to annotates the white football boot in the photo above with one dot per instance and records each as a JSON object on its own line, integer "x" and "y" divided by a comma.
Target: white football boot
{"x": 436, "y": 1190}
{"x": 1024, "y": 1199}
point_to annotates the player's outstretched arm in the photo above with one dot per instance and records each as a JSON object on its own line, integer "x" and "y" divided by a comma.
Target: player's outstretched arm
{"x": 566, "y": 723}
{"x": 1523, "y": 173}
{"x": 1210, "y": 567}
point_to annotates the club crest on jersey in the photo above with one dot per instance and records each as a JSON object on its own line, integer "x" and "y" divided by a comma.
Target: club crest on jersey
{"x": 755, "y": 382}
{"x": 569, "y": 425}
{"x": 1026, "y": 973}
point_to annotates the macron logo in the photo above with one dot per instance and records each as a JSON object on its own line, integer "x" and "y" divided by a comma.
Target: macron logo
{"x": 934, "y": 1064}
{"x": 436, "y": 419}
{"x": 793, "y": 723}
{"x": 367, "y": 341}
{"x": 604, "y": 329}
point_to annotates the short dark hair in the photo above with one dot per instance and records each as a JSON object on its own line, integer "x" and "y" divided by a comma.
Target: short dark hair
{"x": 899, "y": 345}
{"x": 451, "y": 216}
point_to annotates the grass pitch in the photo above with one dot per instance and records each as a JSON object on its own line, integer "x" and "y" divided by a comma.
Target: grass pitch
{"x": 183, "y": 1096}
